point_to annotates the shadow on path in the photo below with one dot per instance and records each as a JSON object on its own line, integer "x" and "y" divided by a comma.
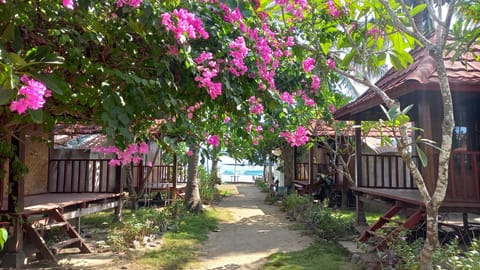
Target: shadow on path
{"x": 257, "y": 230}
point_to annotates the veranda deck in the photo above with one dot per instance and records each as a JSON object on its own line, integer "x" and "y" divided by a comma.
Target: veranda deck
{"x": 413, "y": 197}
{"x": 83, "y": 203}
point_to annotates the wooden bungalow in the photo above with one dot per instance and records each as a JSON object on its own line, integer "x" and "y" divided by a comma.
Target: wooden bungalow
{"x": 315, "y": 169}
{"x": 65, "y": 181}
{"x": 418, "y": 85}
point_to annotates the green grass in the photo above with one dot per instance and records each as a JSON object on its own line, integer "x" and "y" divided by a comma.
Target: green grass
{"x": 319, "y": 255}
{"x": 98, "y": 220}
{"x": 181, "y": 245}
{"x": 372, "y": 217}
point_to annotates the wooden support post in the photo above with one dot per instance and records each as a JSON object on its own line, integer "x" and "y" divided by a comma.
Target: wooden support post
{"x": 425, "y": 121}
{"x": 14, "y": 256}
{"x": 361, "y": 219}
{"x": 119, "y": 189}
{"x": 174, "y": 177}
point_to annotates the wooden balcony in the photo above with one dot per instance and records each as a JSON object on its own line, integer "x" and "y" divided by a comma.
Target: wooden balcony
{"x": 387, "y": 176}
{"x": 82, "y": 176}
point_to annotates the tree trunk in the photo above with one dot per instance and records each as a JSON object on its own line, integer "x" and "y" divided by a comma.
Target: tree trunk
{"x": 431, "y": 241}
{"x": 192, "y": 192}
{"x": 214, "y": 170}
{"x": 132, "y": 193}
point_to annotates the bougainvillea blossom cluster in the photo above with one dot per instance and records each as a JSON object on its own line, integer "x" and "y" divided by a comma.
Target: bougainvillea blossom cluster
{"x": 132, "y": 3}
{"x": 32, "y": 95}
{"x": 256, "y": 106}
{"x": 213, "y": 140}
{"x": 332, "y": 9}
{"x": 238, "y": 53}
{"x": 184, "y": 24}
{"x": 132, "y": 154}
{"x": 191, "y": 109}
{"x": 208, "y": 69}
{"x": 308, "y": 64}
{"x": 297, "y": 138}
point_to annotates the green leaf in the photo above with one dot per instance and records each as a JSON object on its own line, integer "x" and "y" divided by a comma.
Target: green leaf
{"x": 5, "y": 95}
{"x": 51, "y": 82}
{"x": 36, "y": 115}
{"x": 232, "y": 4}
{"x": 386, "y": 112}
{"x": 422, "y": 156}
{"x": 3, "y": 237}
{"x": 416, "y": 10}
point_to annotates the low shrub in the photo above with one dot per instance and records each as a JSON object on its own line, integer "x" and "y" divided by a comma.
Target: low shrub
{"x": 144, "y": 222}
{"x": 262, "y": 185}
{"x": 295, "y": 205}
{"x": 404, "y": 255}
{"x": 327, "y": 223}
{"x": 208, "y": 190}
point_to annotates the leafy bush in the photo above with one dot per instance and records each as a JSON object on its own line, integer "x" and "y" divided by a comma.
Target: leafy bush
{"x": 262, "y": 185}
{"x": 295, "y": 205}
{"x": 145, "y": 222}
{"x": 450, "y": 256}
{"x": 208, "y": 191}
{"x": 326, "y": 223}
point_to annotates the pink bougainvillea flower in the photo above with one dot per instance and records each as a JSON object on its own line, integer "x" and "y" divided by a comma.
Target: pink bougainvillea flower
{"x": 315, "y": 82}
{"x": 172, "y": 50}
{"x": 256, "y": 108}
{"x": 149, "y": 164}
{"x": 33, "y": 95}
{"x": 213, "y": 140}
{"x": 331, "y": 63}
{"x": 226, "y": 120}
{"x": 308, "y": 101}
{"x": 297, "y": 138}
{"x": 238, "y": 53}
{"x": 331, "y": 108}
{"x": 287, "y": 97}
{"x": 190, "y": 153}
{"x": 204, "y": 56}
{"x": 143, "y": 148}
{"x": 132, "y": 154}
{"x": 332, "y": 9}
{"x": 186, "y": 25}
{"x": 132, "y": 3}
{"x": 68, "y": 4}
{"x": 249, "y": 127}
{"x": 115, "y": 162}
{"x": 255, "y": 142}
{"x": 308, "y": 64}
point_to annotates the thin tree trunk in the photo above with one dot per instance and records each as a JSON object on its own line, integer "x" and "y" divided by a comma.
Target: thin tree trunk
{"x": 132, "y": 193}
{"x": 192, "y": 192}
{"x": 214, "y": 170}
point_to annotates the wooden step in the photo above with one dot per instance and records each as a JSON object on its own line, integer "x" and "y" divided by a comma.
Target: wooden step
{"x": 66, "y": 243}
{"x": 390, "y": 220}
{"x": 372, "y": 233}
{"x": 55, "y": 225}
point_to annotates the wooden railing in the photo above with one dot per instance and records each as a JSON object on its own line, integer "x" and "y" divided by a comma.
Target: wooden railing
{"x": 302, "y": 173}
{"x": 385, "y": 171}
{"x": 389, "y": 171}
{"x": 160, "y": 175}
{"x": 82, "y": 175}
{"x": 463, "y": 184}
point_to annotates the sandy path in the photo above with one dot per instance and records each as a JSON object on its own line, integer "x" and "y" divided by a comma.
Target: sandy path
{"x": 257, "y": 231}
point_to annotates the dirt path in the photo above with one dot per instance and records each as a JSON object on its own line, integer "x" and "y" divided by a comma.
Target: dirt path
{"x": 256, "y": 231}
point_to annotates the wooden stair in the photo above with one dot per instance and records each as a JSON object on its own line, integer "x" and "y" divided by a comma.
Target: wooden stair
{"x": 387, "y": 218}
{"x": 55, "y": 221}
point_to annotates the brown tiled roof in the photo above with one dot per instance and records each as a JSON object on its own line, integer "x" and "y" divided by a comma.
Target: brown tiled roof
{"x": 320, "y": 127}
{"x": 463, "y": 75}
